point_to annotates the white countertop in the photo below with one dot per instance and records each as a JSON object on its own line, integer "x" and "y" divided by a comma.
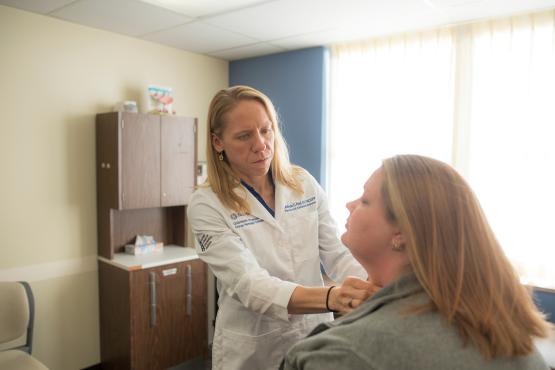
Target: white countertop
{"x": 170, "y": 254}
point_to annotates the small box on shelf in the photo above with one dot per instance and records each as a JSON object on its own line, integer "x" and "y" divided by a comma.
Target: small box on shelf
{"x": 142, "y": 249}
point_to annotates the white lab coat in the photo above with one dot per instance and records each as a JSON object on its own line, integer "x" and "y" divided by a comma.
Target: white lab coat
{"x": 258, "y": 261}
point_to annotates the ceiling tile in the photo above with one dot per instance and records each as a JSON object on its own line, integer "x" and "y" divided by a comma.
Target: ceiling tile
{"x": 317, "y": 38}
{"x": 452, "y": 3}
{"x": 199, "y": 8}
{"x": 284, "y": 18}
{"x": 475, "y": 10}
{"x": 129, "y": 17}
{"x": 270, "y": 20}
{"x": 37, "y": 6}
{"x": 234, "y": 29}
{"x": 199, "y": 37}
{"x": 247, "y": 51}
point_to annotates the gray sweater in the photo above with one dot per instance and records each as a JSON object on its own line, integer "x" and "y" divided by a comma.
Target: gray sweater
{"x": 378, "y": 336}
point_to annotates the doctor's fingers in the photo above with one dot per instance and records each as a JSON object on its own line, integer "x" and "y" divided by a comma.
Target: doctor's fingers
{"x": 360, "y": 285}
{"x": 352, "y": 296}
{"x": 345, "y": 297}
{"x": 348, "y": 299}
{"x": 367, "y": 285}
{"x": 355, "y": 282}
{"x": 341, "y": 302}
{"x": 355, "y": 303}
{"x": 357, "y": 289}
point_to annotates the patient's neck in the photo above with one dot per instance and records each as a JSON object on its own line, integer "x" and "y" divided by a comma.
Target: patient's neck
{"x": 385, "y": 272}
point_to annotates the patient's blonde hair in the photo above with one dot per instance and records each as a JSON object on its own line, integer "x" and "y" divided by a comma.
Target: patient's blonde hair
{"x": 221, "y": 178}
{"x": 457, "y": 258}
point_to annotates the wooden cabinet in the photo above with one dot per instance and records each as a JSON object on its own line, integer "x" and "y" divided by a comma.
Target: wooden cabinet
{"x": 177, "y": 159}
{"x": 145, "y": 163}
{"x": 153, "y": 309}
{"x": 152, "y": 318}
{"x": 145, "y": 160}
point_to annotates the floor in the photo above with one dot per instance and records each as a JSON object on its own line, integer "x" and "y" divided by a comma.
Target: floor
{"x": 197, "y": 363}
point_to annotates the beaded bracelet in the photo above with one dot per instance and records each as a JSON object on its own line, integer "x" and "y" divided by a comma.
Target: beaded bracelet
{"x": 327, "y": 299}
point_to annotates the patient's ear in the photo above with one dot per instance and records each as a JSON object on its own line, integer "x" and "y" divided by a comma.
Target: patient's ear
{"x": 398, "y": 242}
{"x": 399, "y": 238}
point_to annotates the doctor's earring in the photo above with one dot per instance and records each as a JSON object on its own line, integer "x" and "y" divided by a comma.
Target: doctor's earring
{"x": 397, "y": 246}
{"x": 221, "y": 156}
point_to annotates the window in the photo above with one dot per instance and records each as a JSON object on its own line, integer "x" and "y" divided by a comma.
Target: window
{"x": 477, "y": 96}
{"x": 387, "y": 96}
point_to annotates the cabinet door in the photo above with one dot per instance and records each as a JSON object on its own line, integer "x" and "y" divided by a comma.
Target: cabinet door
{"x": 158, "y": 312}
{"x": 197, "y": 341}
{"x": 107, "y": 166}
{"x": 115, "y": 324}
{"x": 178, "y": 159}
{"x": 140, "y": 157}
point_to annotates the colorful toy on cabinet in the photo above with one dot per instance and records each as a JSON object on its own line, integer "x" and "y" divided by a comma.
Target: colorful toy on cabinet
{"x": 160, "y": 100}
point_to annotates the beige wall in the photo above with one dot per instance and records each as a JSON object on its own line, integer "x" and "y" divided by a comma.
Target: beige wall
{"x": 54, "y": 77}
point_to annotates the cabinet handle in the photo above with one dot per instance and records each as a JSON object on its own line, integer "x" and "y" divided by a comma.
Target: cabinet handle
{"x": 152, "y": 284}
{"x": 189, "y": 290}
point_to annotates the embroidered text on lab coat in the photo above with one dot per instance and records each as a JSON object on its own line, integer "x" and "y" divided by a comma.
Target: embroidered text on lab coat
{"x": 240, "y": 220}
{"x": 293, "y": 206}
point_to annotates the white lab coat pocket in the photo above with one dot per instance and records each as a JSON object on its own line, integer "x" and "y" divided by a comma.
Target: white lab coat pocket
{"x": 246, "y": 352}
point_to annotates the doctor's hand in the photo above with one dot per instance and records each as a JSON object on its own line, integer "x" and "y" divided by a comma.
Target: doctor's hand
{"x": 351, "y": 294}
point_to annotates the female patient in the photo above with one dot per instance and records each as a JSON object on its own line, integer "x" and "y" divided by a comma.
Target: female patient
{"x": 450, "y": 298}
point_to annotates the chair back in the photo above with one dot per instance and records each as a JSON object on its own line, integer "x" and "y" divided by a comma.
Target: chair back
{"x": 15, "y": 314}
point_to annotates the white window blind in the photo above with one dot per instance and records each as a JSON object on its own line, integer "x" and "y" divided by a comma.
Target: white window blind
{"x": 478, "y": 96}
{"x": 511, "y": 154}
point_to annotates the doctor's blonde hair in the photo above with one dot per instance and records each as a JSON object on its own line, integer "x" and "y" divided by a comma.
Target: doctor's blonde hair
{"x": 457, "y": 259}
{"x": 221, "y": 178}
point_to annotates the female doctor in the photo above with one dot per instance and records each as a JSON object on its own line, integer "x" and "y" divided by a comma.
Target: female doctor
{"x": 263, "y": 227}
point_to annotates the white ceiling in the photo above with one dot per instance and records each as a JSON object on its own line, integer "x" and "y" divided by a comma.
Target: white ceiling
{"x": 236, "y": 29}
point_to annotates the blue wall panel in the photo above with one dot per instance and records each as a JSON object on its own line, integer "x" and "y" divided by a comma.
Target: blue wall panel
{"x": 295, "y": 82}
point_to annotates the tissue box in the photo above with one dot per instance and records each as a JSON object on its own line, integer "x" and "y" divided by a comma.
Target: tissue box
{"x": 142, "y": 249}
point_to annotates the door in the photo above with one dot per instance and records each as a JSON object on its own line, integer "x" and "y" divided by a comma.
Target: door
{"x": 140, "y": 157}
{"x": 178, "y": 159}
{"x": 158, "y": 312}
{"x": 197, "y": 344}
